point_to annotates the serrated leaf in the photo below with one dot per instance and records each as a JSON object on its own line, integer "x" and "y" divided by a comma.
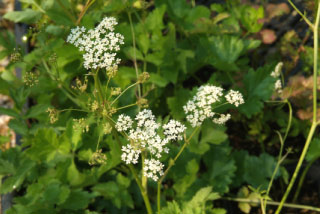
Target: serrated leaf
{"x": 154, "y": 19}
{"x": 259, "y": 86}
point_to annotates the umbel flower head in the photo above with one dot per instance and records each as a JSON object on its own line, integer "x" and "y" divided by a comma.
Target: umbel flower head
{"x": 99, "y": 45}
{"x": 199, "y": 107}
{"x": 144, "y": 136}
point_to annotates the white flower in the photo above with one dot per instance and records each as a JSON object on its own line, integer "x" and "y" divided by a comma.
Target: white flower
{"x": 277, "y": 71}
{"x": 278, "y": 86}
{"x": 129, "y": 154}
{"x": 124, "y": 123}
{"x": 173, "y": 130}
{"x": 99, "y": 45}
{"x": 145, "y": 137}
{"x": 222, "y": 119}
{"x": 199, "y": 108}
{"x": 234, "y": 98}
{"x": 152, "y": 168}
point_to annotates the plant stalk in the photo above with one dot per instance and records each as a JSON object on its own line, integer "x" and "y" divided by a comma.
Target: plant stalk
{"x": 314, "y": 118}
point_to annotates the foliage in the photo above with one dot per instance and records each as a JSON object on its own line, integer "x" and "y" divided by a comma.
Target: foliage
{"x": 182, "y": 46}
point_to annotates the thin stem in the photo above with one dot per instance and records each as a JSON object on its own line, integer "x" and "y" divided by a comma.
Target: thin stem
{"x": 143, "y": 193}
{"x": 127, "y": 106}
{"x": 295, "y": 174}
{"x": 86, "y": 7}
{"x": 302, "y": 15}
{"x": 64, "y": 89}
{"x": 314, "y": 118}
{"x": 273, "y": 203}
{"x": 134, "y": 52}
{"x": 303, "y": 176}
{"x": 144, "y": 179}
{"x": 123, "y": 93}
{"x": 280, "y": 158}
{"x": 99, "y": 138}
{"x": 73, "y": 19}
{"x": 97, "y": 86}
{"x": 171, "y": 163}
{"x": 72, "y": 109}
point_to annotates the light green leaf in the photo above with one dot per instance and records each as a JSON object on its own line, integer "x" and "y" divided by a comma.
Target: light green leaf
{"x": 27, "y": 16}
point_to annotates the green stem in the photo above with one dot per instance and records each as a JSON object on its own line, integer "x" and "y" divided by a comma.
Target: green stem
{"x": 123, "y": 93}
{"x": 143, "y": 192}
{"x": 171, "y": 163}
{"x": 127, "y": 106}
{"x": 97, "y": 86}
{"x": 134, "y": 52}
{"x": 64, "y": 89}
{"x": 295, "y": 174}
{"x": 314, "y": 118}
{"x": 144, "y": 179}
{"x": 72, "y": 109}
{"x": 73, "y": 19}
{"x": 302, "y": 15}
{"x": 303, "y": 176}
{"x": 273, "y": 203}
{"x": 86, "y": 7}
{"x": 280, "y": 158}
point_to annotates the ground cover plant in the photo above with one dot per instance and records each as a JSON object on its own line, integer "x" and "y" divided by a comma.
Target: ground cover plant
{"x": 164, "y": 106}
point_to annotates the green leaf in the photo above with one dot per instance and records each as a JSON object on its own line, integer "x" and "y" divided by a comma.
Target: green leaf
{"x": 176, "y": 103}
{"x": 182, "y": 185}
{"x": 171, "y": 208}
{"x": 158, "y": 80}
{"x": 221, "y": 168}
{"x": 17, "y": 179}
{"x": 18, "y": 126}
{"x": 74, "y": 177}
{"x": 314, "y": 150}
{"x": 36, "y": 110}
{"x": 118, "y": 194}
{"x": 6, "y": 168}
{"x": 9, "y": 112}
{"x": 259, "y": 86}
{"x": 213, "y": 135}
{"x": 154, "y": 19}
{"x": 250, "y": 18}
{"x": 77, "y": 200}
{"x": 223, "y": 51}
{"x": 258, "y": 170}
{"x": 45, "y": 145}
{"x": 27, "y": 16}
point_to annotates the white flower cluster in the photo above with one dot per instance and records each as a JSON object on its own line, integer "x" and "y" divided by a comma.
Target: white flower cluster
{"x": 235, "y": 98}
{"x": 200, "y": 107}
{"x": 130, "y": 154}
{"x": 275, "y": 74}
{"x": 278, "y": 86}
{"x": 152, "y": 167}
{"x": 222, "y": 119}
{"x": 145, "y": 137}
{"x": 124, "y": 123}
{"x": 99, "y": 45}
{"x": 277, "y": 71}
